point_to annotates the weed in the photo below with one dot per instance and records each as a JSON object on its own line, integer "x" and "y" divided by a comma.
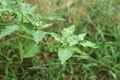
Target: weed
{"x": 36, "y": 39}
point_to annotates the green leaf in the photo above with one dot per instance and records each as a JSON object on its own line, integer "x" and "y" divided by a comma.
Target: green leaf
{"x": 27, "y": 27}
{"x": 3, "y": 2}
{"x": 21, "y": 50}
{"x": 27, "y": 8}
{"x": 81, "y": 56}
{"x": 88, "y": 44}
{"x": 68, "y": 31}
{"x": 8, "y": 30}
{"x": 81, "y": 36}
{"x": 64, "y": 54}
{"x": 43, "y": 26}
{"x": 72, "y": 40}
{"x": 31, "y": 49}
{"x": 57, "y": 37}
{"x": 38, "y": 35}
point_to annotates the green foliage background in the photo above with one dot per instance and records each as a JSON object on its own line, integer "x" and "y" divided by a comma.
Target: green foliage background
{"x": 36, "y": 36}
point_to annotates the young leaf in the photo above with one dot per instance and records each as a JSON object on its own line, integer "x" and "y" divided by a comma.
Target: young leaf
{"x": 88, "y": 44}
{"x": 27, "y": 8}
{"x": 64, "y": 54}
{"x": 57, "y": 37}
{"x": 72, "y": 40}
{"x": 43, "y": 26}
{"x": 77, "y": 50}
{"x": 68, "y": 31}
{"x": 31, "y": 49}
{"x": 81, "y": 36}
{"x": 38, "y": 35}
{"x": 8, "y": 30}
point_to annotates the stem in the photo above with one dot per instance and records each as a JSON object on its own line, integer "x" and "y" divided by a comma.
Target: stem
{"x": 24, "y": 36}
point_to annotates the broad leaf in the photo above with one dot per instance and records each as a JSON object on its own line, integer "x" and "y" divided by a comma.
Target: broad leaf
{"x": 31, "y": 49}
{"x": 81, "y": 36}
{"x": 27, "y": 8}
{"x": 8, "y": 30}
{"x": 43, "y": 26}
{"x": 64, "y": 54}
{"x": 72, "y": 40}
{"x": 88, "y": 44}
{"x": 38, "y": 35}
{"x": 27, "y": 27}
{"x": 77, "y": 50}
{"x": 68, "y": 31}
{"x": 57, "y": 37}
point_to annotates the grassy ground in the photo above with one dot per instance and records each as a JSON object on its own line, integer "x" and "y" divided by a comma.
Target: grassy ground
{"x": 100, "y": 19}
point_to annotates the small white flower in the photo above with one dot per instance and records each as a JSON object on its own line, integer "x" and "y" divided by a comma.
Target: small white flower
{"x": 37, "y": 24}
